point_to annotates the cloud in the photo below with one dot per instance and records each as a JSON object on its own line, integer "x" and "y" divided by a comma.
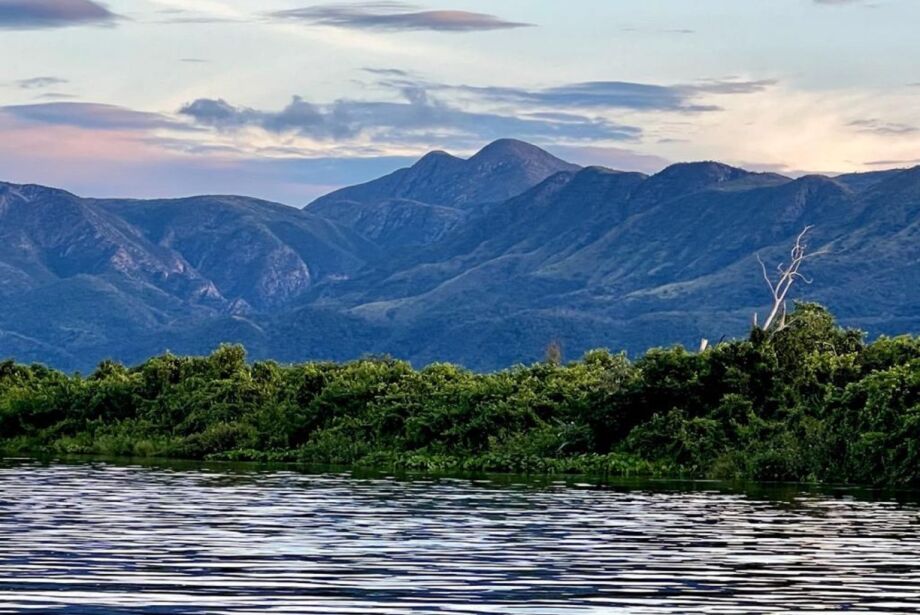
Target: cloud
{"x": 32, "y": 14}
{"x": 37, "y": 83}
{"x": 123, "y": 164}
{"x": 601, "y": 94}
{"x": 879, "y": 127}
{"x": 644, "y": 31}
{"x": 854, "y": 3}
{"x": 715, "y": 86}
{"x": 91, "y": 116}
{"x": 395, "y": 16}
{"x": 55, "y": 96}
{"x": 596, "y": 94}
{"x": 415, "y": 118}
{"x": 198, "y": 19}
{"x": 893, "y": 163}
{"x": 459, "y": 115}
{"x": 396, "y": 72}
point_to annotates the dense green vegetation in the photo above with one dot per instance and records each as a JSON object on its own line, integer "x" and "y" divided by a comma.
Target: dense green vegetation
{"x": 810, "y": 402}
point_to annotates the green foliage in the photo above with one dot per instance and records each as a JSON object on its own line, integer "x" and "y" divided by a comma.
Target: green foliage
{"x": 810, "y": 402}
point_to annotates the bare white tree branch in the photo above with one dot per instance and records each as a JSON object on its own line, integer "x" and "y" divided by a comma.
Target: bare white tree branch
{"x": 786, "y": 277}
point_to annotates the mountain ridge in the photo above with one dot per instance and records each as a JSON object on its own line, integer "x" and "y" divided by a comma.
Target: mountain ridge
{"x": 589, "y": 256}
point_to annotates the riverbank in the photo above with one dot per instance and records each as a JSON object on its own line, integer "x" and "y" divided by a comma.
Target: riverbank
{"x": 812, "y": 402}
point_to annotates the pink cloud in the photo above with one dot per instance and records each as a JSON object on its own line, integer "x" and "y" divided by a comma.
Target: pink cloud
{"x": 134, "y": 162}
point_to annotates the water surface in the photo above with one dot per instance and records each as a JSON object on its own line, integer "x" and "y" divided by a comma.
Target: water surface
{"x": 107, "y": 538}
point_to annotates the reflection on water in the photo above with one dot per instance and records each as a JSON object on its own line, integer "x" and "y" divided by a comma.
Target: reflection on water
{"x": 101, "y": 538}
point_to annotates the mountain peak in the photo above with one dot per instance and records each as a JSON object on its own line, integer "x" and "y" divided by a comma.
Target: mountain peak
{"x": 499, "y": 171}
{"x": 30, "y": 192}
{"x": 436, "y": 155}
{"x": 511, "y": 148}
{"x": 707, "y": 171}
{"x": 601, "y": 171}
{"x": 686, "y": 178}
{"x": 436, "y": 162}
{"x": 904, "y": 185}
{"x": 514, "y": 153}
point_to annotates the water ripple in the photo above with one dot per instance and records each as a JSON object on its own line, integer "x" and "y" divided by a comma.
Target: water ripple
{"x": 102, "y": 538}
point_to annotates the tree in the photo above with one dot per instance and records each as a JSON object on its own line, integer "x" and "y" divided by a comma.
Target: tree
{"x": 553, "y": 354}
{"x": 786, "y": 277}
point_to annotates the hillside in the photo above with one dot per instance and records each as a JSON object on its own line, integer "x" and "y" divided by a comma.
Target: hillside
{"x": 481, "y": 261}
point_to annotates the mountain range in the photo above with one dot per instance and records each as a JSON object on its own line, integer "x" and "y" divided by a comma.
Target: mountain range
{"x": 481, "y": 261}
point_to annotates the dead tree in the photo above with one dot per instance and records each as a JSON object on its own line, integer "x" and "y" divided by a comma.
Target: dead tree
{"x": 786, "y": 277}
{"x": 554, "y": 353}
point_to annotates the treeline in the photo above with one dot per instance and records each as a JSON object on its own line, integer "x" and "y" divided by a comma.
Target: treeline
{"x": 811, "y": 402}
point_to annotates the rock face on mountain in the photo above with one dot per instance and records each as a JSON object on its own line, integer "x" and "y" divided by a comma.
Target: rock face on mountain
{"x": 82, "y": 275}
{"x": 50, "y": 234}
{"x": 482, "y": 261}
{"x": 256, "y": 253}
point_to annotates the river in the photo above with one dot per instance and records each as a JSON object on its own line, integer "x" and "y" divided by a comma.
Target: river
{"x": 104, "y": 537}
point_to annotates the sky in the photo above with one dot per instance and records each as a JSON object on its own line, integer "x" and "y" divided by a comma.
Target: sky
{"x": 287, "y": 99}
